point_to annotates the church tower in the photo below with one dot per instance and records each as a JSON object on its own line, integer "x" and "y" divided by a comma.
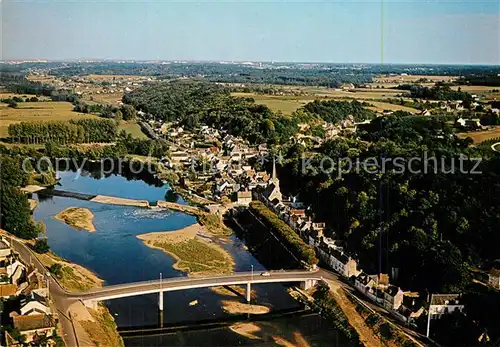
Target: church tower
{"x": 274, "y": 178}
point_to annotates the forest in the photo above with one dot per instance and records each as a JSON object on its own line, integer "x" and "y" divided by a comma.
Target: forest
{"x": 333, "y": 111}
{"x": 84, "y": 130}
{"x": 427, "y": 229}
{"x": 438, "y": 92}
{"x": 194, "y": 104}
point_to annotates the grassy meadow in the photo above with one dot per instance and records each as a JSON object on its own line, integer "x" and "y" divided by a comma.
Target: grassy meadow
{"x": 133, "y": 129}
{"x": 480, "y": 136}
{"x": 37, "y": 111}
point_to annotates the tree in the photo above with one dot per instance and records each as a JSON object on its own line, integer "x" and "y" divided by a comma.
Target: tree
{"x": 41, "y": 246}
{"x": 16, "y": 213}
{"x": 12, "y": 103}
{"x": 128, "y": 112}
{"x": 118, "y": 116}
{"x": 56, "y": 269}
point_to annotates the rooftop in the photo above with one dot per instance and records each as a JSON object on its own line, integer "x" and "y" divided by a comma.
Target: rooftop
{"x": 4, "y": 244}
{"x": 7, "y": 290}
{"x": 445, "y": 299}
{"x": 495, "y": 272}
{"x": 33, "y": 322}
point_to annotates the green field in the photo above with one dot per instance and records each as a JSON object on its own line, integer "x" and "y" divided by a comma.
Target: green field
{"x": 382, "y": 106}
{"x": 133, "y": 129}
{"x": 37, "y": 111}
{"x": 287, "y": 104}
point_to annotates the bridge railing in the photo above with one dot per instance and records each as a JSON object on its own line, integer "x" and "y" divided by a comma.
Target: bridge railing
{"x": 257, "y": 274}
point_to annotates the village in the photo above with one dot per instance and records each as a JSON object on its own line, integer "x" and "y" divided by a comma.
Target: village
{"x": 25, "y": 300}
{"x": 222, "y": 168}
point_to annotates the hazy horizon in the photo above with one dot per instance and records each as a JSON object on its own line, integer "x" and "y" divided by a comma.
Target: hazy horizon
{"x": 370, "y": 32}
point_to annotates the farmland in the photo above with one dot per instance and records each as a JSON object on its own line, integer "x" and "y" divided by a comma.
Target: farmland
{"x": 383, "y": 106}
{"x": 37, "y": 111}
{"x": 133, "y": 129}
{"x": 287, "y": 104}
{"x": 480, "y": 136}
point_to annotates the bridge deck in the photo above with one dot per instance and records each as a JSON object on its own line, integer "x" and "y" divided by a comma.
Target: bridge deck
{"x": 172, "y": 284}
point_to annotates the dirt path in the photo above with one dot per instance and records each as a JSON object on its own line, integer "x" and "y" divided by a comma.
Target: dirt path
{"x": 366, "y": 335}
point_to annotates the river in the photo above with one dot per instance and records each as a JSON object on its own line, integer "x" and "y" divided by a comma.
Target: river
{"x": 115, "y": 254}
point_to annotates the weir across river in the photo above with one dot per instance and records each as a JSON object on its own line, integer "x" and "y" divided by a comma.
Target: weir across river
{"x": 113, "y": 200}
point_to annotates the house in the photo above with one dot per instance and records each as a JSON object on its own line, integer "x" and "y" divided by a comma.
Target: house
{"x": 393, "y": 298}
{"x": 179, "y": 156}
{"x": 35, "y": 318}
{"x": 364, "y": 283}
{"x": 7, "y": 290}
{"x": 408, "y": 315}
{"x": 494, "y": 278}
{"x": 425, "y": 112}
{"x": 443, "y": 304}
{"x": 5, "y": 250}
{"x": 34, "y": 304}
{"x": 337, "y": 259}
{"x": 15, "y": 271}
{"x": 33, "y": 326}
{"x": 367, "y": 284}
{"x": 244, "y": 197}
{"x": 460, "y": 122}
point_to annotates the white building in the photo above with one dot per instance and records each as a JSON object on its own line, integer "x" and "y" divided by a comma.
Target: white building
{"x": 443, "y": 304}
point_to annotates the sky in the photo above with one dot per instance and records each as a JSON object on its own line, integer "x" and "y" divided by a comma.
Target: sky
{"x": 370, "y": 31}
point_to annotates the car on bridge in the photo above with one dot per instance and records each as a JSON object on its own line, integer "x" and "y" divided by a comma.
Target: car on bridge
{"x": 265, "y": 274}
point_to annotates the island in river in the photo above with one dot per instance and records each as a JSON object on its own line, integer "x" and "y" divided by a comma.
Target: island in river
{"x": 194, "y": 250}
{"x": 77, "y": 217}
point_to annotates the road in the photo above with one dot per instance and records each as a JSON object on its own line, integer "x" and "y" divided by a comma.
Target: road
{"x": 495, "y": 145}
{"x": 63, "y": 299}
{"x": 181, "y": 283}
{"x": 57, "y": 293}
{"x": 418, "y": 338}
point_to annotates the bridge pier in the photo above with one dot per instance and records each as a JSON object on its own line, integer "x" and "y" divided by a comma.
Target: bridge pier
{"x": 305, "y": 285}
{"x": 91, "y": 304}
{"x": 249, "y": 291}
{"x": 160, "y": 301}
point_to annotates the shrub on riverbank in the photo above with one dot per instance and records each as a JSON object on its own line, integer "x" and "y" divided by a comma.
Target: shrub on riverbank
{"x": 381, "y": 327}
{"x": 213, "y": 224}
{"x": 327, "y": 306}
{"x": 103, "y": 330}
{"x": 297, "y": 245}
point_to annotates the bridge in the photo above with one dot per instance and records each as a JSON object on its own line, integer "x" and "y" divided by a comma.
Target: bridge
{"x": 90, "y": 298}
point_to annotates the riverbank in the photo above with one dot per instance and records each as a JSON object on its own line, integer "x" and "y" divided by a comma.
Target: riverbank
{"x": 101, "y": 327}
{"x": 92, "y": 327}
{"x": 77, "y": 217}
{"x": 73, "y": 277}
{"x": 194, "y": 250}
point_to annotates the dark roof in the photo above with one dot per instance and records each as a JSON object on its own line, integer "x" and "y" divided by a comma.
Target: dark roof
{"x": 4, "y": 245}
{"x": 269, "y": 189}
{"x": 445, "y": 299}
{"x": 32, "y": 322}
{"x": 364, "y": 278}
{"x": 495, "y": 272}
{"x": 392, "y": 290}
{"x": 342, "y": 257}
